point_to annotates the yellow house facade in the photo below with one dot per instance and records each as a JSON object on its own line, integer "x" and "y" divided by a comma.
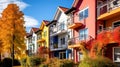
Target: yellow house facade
{"x": 44, "y": 35}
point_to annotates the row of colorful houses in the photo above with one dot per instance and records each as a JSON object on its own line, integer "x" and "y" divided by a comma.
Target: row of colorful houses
{"x": 70, "y": 26}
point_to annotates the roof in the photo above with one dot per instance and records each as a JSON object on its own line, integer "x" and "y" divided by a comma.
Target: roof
{"x": 35, "y": 29}
{"x": 51, "y": 22}
{"x": 70, "y": 10}
{"x": 64, "y": 9}
{"x": 46, "y": 22}
{"x": 75, "y": 3}
{"x": 28, "y": 34}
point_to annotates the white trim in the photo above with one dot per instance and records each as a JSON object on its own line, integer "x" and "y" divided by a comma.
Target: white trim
{"x": 83, "y": 13}
{"x": 62, "y": 54}
{"x": 114, "y": 53}
{"x": 115, "y": 22}
{"x": 83, "y": 9}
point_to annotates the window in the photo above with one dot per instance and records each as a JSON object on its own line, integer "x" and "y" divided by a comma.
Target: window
{"x": 83, "y": 34}
{"x": 62, "y": 55}
{"x": 100, "y": 28}
{"x": 83, "y": 14}
{"x": 62, "y": 40}
{"x": 62, "y": 26}
{"x": 116, "y": 24}
{"x": 116, "y": 55}
{"x": 33, "y": 38}
{"x": 45, "y": 33}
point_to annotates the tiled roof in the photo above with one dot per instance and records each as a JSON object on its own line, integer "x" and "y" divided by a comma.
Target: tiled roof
{"x": 28, "y": 34}
{"x": 35, "y": 29}
{"x": 64, "y": 9}
{"x": 46, "y": 22}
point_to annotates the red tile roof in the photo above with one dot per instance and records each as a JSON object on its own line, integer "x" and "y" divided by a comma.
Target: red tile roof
{"x": 28, "y": 34}
{"x": 64, "y": 9}
{"x": 46, "y": 22}
{"x": 35, "y": 29}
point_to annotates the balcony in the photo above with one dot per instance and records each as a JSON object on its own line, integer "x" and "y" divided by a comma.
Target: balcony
{"x": 76, "y": 41}
{"x": 108, "y": 9}
{"x": 40, "y": 39}
{"x": 74, "y": 25}
{"x": 58, "y": 29}
{"x": 55, "y": 47}
{"x": 108, "y": 29}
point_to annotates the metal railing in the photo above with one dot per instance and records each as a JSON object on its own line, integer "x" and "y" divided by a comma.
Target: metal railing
{"x": 108, "y": 29}
{"x": 79, "y": 39}
{"x": 107, "y": 6}
{"x": 58, "y": 28}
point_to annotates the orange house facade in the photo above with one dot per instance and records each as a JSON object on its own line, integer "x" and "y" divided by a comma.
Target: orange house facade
{"x": 83, "y": 25}
{"x": 108, "y": 19}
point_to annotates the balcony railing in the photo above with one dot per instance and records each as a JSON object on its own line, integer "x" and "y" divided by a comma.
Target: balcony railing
{"x": 79, "y": 39}
{"x": 107, "y": 6}
{"x": 108, "y": 28}
{"x": 58, "y": 28}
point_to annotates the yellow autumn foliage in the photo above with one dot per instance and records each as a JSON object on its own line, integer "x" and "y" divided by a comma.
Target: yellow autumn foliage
{"x": 12, "y": 29}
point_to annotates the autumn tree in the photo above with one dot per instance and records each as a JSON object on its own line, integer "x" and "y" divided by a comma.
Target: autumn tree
{"x": 12, "y": 30}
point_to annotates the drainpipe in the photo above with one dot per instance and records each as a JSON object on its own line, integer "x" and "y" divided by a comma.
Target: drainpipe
{"x": 95, "y": 19}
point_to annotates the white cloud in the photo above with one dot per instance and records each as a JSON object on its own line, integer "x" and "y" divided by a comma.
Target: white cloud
{"x": 4, "y": 3}
{"x": 30, "y": 21}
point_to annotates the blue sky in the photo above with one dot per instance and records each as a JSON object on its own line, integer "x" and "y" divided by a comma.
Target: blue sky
{"x": 37, "y": 10}
{"x": 44, "y": 9}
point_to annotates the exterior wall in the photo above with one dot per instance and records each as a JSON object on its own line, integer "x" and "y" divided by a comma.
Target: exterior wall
{"x": 27, "y": 43}
{"x": 110, "y": 21}
{"x": 35, "y": 42}
{"x": 90, "y": 20}
{"x": 45, "y": 29}
{"x": 63, "y": 18}
{"x": 59, "y": 41}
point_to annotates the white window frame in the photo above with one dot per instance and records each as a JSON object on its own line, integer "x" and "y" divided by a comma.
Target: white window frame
{"x": 62, "y": 55}
{"x": 114, "y": 23}
{"x": 83, "y": 12}
{"x": 114, "y": 53}
{"x": 84, "y": 33}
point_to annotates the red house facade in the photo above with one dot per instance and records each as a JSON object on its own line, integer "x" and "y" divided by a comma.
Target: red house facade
{"x": 83, "y": 25}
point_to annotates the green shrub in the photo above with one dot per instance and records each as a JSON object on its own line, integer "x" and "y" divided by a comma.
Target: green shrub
{"x": 23, "y": 62}
{"x": 55, "y": 62}
{"x": 97, "y": 62}
{"x": 34, "y": 61}
{"x": 66, "y": 63}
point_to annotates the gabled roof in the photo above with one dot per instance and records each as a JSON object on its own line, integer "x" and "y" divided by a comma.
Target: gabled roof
{"x": 64, "y": 9}
{"x": 44, "y": 23}
{"x": 60, "y": 10}
{"x": 28, "y": 35}
{"x": 75, "y": 3}
{"x": 53, "y": 21}
{"x": 35, "y": 29}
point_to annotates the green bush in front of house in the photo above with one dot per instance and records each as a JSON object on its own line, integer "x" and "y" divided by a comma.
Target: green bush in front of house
{"x": 97, "y": 62}
{"x": 67, "y": 63}
{"x": 31, "y": 61}
{"x": 55, "y": 62}
{"x": 23, "y": 62}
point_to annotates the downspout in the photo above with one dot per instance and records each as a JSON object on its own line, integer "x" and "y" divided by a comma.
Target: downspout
{"x": 95, "y": 19}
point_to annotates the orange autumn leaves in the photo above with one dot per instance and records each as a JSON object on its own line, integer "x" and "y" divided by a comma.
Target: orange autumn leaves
{"x": 103, "y": 39}
{"x": 11, "y": 26}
